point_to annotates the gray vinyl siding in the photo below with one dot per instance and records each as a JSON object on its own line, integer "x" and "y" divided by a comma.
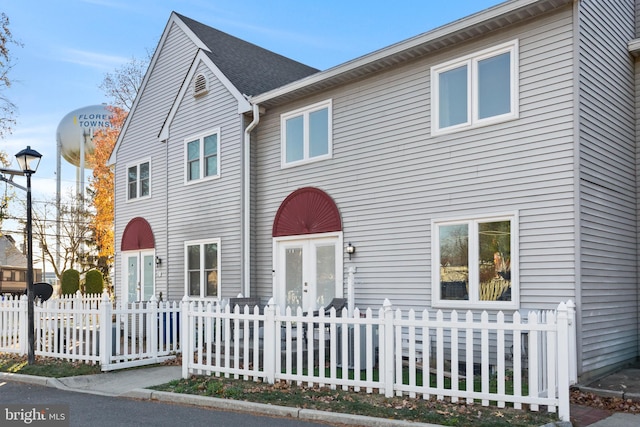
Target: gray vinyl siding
{"x": 390, "y": 178}
{"x": 607, "y": 185}
{"x": 141, "y": 142}
{"x": 209, "y": 209}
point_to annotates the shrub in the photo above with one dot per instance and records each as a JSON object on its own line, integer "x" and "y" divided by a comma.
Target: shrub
{"x": 94, "y": 283}
{"x": 70, "y": 283}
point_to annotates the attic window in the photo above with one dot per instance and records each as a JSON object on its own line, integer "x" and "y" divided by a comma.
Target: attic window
{"x": 200, "y": 86}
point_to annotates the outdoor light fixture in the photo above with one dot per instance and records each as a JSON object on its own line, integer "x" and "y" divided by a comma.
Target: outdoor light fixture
{"x": 158, "y": 261}
{"x": 350, "y": 249}
{"x": 28, "y": 160}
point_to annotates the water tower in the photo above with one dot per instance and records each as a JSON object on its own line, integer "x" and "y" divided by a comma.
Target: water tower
{"x": 75, "y": 144}
{"x": 75, "y": 138}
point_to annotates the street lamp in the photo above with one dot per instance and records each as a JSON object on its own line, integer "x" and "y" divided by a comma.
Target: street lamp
{"x": 28, "y": 160}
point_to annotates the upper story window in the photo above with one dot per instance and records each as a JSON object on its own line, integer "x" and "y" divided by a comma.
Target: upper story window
{"x": 202, "y": 155}
{"x": 306, "y": 134}
{"x": 138, "y": 181}
{"x": 475, "y": 262}
{"x": 476, "y": 90}
{"x": 202, "y": 261}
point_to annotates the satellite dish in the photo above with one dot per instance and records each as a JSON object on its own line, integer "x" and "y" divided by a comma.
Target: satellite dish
{"x": 42, "y": 290}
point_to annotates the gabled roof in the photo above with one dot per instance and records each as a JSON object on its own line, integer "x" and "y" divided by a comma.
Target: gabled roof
{"x": 250, "y": 68}
{"x": 10, "y": 256}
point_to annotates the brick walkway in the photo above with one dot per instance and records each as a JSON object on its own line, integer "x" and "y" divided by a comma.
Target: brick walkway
{"x": 582, "y": 416}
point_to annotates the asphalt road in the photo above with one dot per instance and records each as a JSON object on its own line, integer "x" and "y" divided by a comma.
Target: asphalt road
{"x": 97, "y": 411}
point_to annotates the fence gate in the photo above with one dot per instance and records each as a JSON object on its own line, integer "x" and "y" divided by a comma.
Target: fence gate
{"x": 138, "y": 334}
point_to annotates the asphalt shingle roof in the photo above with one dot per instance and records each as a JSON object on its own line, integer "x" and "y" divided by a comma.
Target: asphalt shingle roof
{"x": 250, "y": 68}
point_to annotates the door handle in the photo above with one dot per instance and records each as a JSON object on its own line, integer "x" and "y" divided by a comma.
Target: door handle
{"x": 305, "y": 287}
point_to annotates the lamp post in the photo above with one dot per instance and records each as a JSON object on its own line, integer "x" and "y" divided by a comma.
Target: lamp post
{"x": 28, "y": 160}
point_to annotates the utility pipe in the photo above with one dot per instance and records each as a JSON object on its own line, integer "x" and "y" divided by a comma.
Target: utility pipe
{"x": 246, "y": 203}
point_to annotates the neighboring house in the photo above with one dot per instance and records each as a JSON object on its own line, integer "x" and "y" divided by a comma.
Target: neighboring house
{"x": 13, "y": 267}
{"x": 486, "y": 164}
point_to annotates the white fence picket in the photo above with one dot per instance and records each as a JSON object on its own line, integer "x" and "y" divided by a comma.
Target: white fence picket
{"x": 335, "y": 350}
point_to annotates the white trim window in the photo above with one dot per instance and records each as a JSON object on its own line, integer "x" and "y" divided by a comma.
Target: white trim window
{"x": 139, "y": 180}
{"x": 476, "y": 90}
{"x": 202, "y": 156}
{"x": 306, "y": 134}
{"x": 475, "y": 262}
{"x": 202, "y": 268}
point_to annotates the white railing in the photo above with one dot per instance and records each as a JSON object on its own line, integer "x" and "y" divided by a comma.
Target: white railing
{"x": 13, "y": 324}
{"x": 513, "y": 359}
{"x": 77, "y": 328}
{"x": 499, "y": 358}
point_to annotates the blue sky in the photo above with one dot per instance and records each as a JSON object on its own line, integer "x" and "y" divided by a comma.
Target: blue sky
{"x": 69, "y": 45}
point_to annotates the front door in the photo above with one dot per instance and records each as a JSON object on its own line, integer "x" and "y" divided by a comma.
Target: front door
{"x": 140, "y": 273}
{"x": 308, "y": 272}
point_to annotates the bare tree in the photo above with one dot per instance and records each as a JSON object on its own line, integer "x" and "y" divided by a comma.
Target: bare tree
{"x": 7, "y": 108}
{"x": 122, "y": 85}
{"x": 77, "y": 249}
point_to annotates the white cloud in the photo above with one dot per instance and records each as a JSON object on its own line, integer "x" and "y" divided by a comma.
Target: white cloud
{"x": 92, "y": 59}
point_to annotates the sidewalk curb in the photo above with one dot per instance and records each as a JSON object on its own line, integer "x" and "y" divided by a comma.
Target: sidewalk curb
{"x": 235, "y": 405}
{"x": 31, "y": 379}
{"x": 265, "y": 409}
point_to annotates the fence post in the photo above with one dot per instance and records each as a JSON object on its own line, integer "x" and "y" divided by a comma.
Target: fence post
{"x": 389, "y": 354}
{"x": 186, "y": 342}
{"x": 105, "y": 328}
{"x": 573, "y": 354}
{"x": 153, "y": 326}
{"x": 350, "y": 291}
{"x": 22, "y": 327}
{"x": 270, "y": 341}
{"x": 563, "y": 348}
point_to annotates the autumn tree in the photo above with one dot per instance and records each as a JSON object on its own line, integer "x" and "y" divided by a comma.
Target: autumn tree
{"x": 121, "y": 86}
{"x": 101, "y": 190}
{"x": 6, "y": 192}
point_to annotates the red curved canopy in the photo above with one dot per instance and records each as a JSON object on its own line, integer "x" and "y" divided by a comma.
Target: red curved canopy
{"x": 307, "y": 210}
{"x": 137, "y": 235}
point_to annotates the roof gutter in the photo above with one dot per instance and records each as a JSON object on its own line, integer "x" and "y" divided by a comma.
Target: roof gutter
{"x": 487, "y": 20}
{"x": 246, "y": 203}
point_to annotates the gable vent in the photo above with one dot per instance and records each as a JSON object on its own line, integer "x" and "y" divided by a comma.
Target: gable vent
{"x": 200, "y": 85}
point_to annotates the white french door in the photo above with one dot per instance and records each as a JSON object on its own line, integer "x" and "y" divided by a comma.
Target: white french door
{"x": 308, "y": 272}
{"x": 139, "y": 275}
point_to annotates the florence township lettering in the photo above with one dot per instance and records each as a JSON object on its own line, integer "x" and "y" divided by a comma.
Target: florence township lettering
{"x": 93, "y": 120}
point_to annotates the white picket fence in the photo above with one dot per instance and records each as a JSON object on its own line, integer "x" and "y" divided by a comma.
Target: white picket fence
{"x": 77, "y": 327}
{"x": 492, "y": 358}
{"x": 499, "y": 358}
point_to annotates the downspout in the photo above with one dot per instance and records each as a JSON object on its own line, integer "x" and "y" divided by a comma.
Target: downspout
{"x": 246, "y": 203}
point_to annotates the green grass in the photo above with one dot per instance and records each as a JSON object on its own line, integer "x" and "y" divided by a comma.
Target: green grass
{"x": 45, "y": 366}
{"x": 323, "y": 399}
{"x": 374, "y": 405}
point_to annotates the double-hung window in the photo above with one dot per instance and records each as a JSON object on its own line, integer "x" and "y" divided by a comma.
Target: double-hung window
{"x": 306, "y": 134}
{"x": 202, "y": 154}
{"x": 475, "y": 262}
{"x": 138, "y": 180}
{"x": 476, "y": 90}
{"x": 202, "y": 268}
